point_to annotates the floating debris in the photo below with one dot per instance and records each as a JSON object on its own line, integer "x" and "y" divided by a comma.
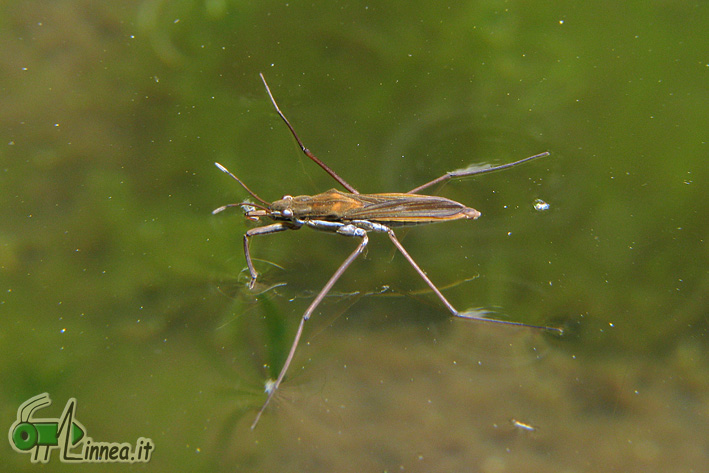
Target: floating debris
{"x": 540, "y": 205}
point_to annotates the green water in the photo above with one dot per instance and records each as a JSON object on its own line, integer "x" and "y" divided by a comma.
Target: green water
{"x": 121, "y": 290}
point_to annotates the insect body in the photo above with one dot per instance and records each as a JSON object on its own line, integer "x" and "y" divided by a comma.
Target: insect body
{"x": 394, "y": 209}
{"x": 354, "y": 215}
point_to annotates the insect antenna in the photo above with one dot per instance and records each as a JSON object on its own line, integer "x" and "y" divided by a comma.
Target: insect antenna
{"x": 253, "y": 194}
{"x": 240, "y": 204}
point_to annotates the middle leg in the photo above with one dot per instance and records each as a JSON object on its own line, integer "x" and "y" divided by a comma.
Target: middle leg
{"x": 308, "y": 312}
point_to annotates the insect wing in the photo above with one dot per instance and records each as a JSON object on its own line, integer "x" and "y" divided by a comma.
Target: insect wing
{"x": 407, "y": 209}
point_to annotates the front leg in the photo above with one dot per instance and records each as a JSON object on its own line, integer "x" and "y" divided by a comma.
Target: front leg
{"x": 265, "y": 230}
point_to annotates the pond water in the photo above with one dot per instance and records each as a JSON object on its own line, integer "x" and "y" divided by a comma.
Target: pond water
{"x": 121, "y": 290}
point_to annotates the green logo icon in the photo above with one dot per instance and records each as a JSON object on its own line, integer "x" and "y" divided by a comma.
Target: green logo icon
{"x": 40, "y": 437}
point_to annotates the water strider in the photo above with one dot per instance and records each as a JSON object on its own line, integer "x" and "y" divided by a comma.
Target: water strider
{"x": 354, "y": 215}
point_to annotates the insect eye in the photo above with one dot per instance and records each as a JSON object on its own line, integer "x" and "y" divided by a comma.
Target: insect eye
{"x": 287, "y": 213}
{"x": 287, "y": 197}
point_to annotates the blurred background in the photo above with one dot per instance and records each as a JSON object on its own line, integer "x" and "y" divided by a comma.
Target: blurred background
{"x": 120, "y": 289}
